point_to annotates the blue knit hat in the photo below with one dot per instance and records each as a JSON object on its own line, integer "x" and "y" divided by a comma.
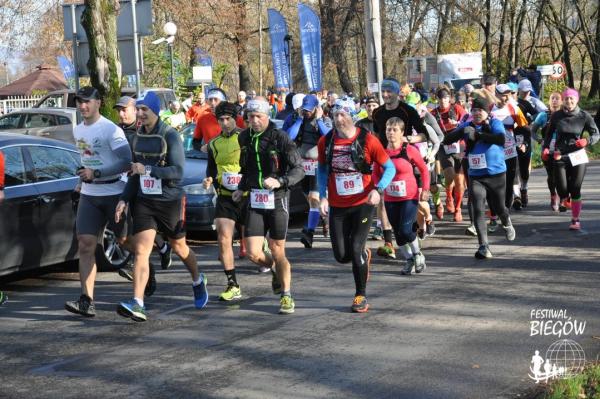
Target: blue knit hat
{"x": 150, "y": 99}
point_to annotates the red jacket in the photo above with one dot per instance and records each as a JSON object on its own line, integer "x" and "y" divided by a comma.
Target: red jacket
{"x": 1, "y": 169}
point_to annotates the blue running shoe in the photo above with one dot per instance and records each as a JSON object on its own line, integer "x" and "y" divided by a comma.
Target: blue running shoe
{"x": 200, "y": 293}
{"x": 132, "y": 310}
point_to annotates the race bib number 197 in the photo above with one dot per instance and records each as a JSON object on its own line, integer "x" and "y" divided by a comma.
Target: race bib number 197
{"x": 150, "y": 185}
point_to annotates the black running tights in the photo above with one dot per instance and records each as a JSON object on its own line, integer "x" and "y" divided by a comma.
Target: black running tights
{"x": 492, "y": 188}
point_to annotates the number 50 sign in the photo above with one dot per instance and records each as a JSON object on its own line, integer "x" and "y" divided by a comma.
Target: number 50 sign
{"x": 558, "y": 71}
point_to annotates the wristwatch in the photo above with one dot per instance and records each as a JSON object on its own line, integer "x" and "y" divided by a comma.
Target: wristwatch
{"x": 97, "y": 173}
{"x": 148, "y": 170}
{"x": 379, "y": 190}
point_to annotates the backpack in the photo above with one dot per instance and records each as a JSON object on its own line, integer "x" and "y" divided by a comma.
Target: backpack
{"x": 148, "y": 143}
{"x": 357, "y": 149}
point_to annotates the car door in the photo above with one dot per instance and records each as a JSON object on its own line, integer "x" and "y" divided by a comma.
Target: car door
{"x": 40, "y": 124}
{"x": 64, "y": 128}
{"x": 55, "y": 177}
{"x": 20, "y": 245}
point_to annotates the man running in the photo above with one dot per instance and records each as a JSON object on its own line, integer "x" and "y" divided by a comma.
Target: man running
{"x": 154, "y": 184}
{"x": 223, "y": 170}
{"x": 306, "y": 132}
{"x": 271, "y": 165}
{"x": 348, "y": 194}
{"x": 105, "y": 155}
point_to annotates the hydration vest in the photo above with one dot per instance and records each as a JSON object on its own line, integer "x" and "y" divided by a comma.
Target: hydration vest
{"x": 357, "y": 151}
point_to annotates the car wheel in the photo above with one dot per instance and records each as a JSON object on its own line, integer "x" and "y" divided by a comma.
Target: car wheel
{"x": 110, "y": 255}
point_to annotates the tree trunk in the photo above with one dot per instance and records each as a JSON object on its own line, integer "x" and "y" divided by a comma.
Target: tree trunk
{"x": 511, "y": 40}
{"x": 443, "y": 25}
{"x": 99, "y": 20}
{"x": 487, "y": 34}
{"x": 241, "y": 35}
{"x": 521, "y": 19}
{"x": 499, "y": 62}
{"x": 538, "y": 23}
{"x": 384, "y": 34}
{"x": 595, "y": 86}
{"x": 332, "y": 40}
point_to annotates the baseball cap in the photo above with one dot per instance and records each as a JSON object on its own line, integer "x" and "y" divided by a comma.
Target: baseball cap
{"x": 87, "y": 93}
{"x": 525, "y": 85}
{"x": 297, "y": 100}
{"x": 124, "y": 102}
{"x": 503, "y": 89}
{"x": 310, "y": 102}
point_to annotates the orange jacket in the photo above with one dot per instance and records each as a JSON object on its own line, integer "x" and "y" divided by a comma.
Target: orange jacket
{"x": 195, "y": 111}
{"x": 1, "y": 169}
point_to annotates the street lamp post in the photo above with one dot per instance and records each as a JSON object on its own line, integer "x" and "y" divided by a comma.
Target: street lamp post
{"x": 288, "y": 55}
{"x": 170, "y": 29}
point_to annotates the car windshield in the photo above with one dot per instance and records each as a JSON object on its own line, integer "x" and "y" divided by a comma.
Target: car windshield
{"x": 187, "y": 135}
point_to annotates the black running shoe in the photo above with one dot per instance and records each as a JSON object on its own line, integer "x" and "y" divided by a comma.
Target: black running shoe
{"x": 307, "y": 238}
{"x": 3, "y": 298}
{"x": 84, "y": 306}
{"x": 483, "y": 252}
{"x": 524, "y": 198}
{"x": 127, "y": 272}
{"x": 517, "y": 204}
{"x": 165, "y": 259}
{"x": 151, "y": 284}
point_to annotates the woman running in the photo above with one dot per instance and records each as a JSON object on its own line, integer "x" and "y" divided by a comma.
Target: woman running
{"x": 484, "y": 137}
{"x": 402, "y": 195}
{"x": 569, "y": 157}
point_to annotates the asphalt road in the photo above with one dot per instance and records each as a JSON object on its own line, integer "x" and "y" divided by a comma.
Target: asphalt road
{"x": 460, "y": 330}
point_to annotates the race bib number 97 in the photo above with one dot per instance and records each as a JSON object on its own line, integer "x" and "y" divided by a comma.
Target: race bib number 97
{"x": 150, "y": 185}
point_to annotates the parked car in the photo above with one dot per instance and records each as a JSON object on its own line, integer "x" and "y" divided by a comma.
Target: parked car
{"x": 52, "y": 123}
{"x": 66, "y": 98}
{"x": 37, "y": 217}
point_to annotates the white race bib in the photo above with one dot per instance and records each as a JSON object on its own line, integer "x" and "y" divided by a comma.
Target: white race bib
{"x": 396, "y": 188}
{"x": 510, "y": 150}
{"x": 230, "y": 180}
{"x": 349, "y": 184}
{"x": 477, "y": 161}
{"x": 310, "y": 166}
{"x": 124, "y": 177}
{"x": 552, "y": 145}
{"x": 453, "y": 148}
{"x": 150, "y": 185}
{"x": 578, "y": 157}
{"x": 520, "y": 139}
{"x": 262, "y": 199}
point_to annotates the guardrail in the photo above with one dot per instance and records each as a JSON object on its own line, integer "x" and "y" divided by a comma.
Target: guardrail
{"x": 17, "y": 102}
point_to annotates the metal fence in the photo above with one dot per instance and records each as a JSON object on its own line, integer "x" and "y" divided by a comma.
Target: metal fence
{"x": 17, "y": 102}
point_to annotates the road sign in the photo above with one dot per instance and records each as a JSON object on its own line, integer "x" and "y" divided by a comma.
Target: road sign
{"x": 559, "y": 70}
{"x": 545, "y": 70}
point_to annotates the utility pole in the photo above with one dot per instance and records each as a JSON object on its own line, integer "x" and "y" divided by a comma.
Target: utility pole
{"x": 260, "y": 48}
{"x": 373, "y": 47}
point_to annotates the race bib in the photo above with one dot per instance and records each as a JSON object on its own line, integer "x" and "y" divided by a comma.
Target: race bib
{"x": 150, "y": 185}
{"x": 262, "y": 199}
{"x": 578, "y": 157}
{"x": 422, "y": 147}
{"x": 520, "y": 139}
{"x": 349, "y": 184}
{"x": 453, "y": 148}
{"x": 477, "y": 161}
{"x": 124, "y": 177}
{"x": 552, "y": 146}
{"x": 396, "y": 188}
{"x": 230, "y": 180}
{"x": 510, "y": 150}
{"x": 310, "y": 166}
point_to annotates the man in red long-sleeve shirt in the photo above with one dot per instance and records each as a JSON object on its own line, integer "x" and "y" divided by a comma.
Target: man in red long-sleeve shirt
{"x": 207, "y": 126}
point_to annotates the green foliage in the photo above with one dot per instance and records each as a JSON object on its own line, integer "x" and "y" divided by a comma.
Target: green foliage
{"x": 220, "y": 72}
{"x": 584, "y": 385}
{"x": 460, "y": 39}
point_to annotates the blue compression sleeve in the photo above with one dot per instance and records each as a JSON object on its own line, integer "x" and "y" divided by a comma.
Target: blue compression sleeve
{"x": 295, "y": 129}
{"x": 323, "y": 128}
{"x": 322, "y": 176}
{"x": 389, "y": 171}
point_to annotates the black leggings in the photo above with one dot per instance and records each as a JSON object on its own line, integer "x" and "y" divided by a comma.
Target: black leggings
{"x": 550, "y": 179}
{"x": 568, "y": 178}
{"x": 524, "y": 161}
{"x": 511, "y": 173}
{"x": 402, "y": 216}
{"x": 349, "y": 229}
{"x": 491, "y": 188}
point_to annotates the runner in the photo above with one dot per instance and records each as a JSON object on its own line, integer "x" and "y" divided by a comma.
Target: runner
{"x": 393, "y": 107}
{"x": 207, "y": 127}
{"x": 199, "y": 108}
{"x": 306, "y": 132}
{"x": 569, "y": 157}
{"x": 174, "y": 116}
{"x": 223, "y": 170}
{"x": 448, "y": 117}
{"x": 402, "y": 195}
{"x": 158, "y": 203}
{"x": 348, "y": 194}
{"x": 270, "y": 166}
{"x": 484, "y": 137}
{"x": 541, "y": 121}
{"x": 3, "y": 297}
{"x": 105, "y": 155}
{"x": 128, "y": 122}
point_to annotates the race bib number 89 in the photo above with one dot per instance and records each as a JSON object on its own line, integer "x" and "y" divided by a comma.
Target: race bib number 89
{"x": 349, "y": 184}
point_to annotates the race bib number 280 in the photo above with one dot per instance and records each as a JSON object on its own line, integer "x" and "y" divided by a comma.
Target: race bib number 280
{"x": 262, "y": 199}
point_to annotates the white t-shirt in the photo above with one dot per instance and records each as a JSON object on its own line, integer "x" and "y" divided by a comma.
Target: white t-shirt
{"x": 96, "y": 144}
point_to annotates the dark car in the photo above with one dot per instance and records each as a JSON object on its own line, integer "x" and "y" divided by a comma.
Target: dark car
{"x": 37, "y": 217}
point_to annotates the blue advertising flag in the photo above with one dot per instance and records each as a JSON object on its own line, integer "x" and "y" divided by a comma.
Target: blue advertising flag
{"x": 310, "y": 38}
{"x": 277, "y": 32}
{"x": 68, "y": 70}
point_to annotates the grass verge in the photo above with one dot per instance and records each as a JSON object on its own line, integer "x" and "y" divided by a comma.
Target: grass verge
{"x": 583, "y": 386}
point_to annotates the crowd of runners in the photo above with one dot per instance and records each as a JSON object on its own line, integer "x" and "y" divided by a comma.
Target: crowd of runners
{"x": 365, "y": 167}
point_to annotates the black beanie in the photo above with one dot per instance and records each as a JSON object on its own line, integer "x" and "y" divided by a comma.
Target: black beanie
{"x": 481, "y": 103}
{"x": 226, "y": 108}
